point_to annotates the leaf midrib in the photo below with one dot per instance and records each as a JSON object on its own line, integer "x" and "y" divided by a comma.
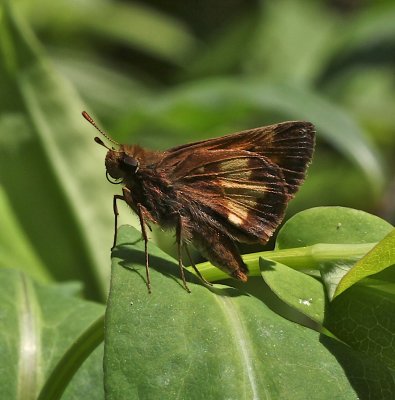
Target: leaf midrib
{"x": 241, "y": 340}
{"x": 29, "y": 359}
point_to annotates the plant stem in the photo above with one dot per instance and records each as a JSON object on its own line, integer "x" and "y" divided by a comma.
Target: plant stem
{"x": 72, "y": 360}
{"x": 299, "y": 258}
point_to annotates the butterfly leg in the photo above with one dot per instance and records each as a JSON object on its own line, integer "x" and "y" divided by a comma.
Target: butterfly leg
{"x": 116, "y": 213}
{"x": 179, "y": 235}
{"x": 141, "y": 211}
{"x": 204, "y": 280}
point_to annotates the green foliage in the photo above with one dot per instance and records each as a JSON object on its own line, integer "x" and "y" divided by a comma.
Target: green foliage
{"x": 377, "y": 260}
{"x": 222, "y": 334}
{"x": 39, "y": 324}
{"x": 48, "y": 168}
{"x": 162, "y": 78}
{"x": 324, "y": 227}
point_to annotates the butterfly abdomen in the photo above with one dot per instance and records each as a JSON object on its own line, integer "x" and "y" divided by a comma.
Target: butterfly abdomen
{"x": 221, "y": 251}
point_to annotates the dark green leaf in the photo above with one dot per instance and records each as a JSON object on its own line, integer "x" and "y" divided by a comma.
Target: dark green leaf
{"x": 38, "y": 324}
{"x": 336, "y": 225}
{"x": 49, "y": 165}
{"x": 214, "y": 343}
{"x": 300, "y": 291}
{"x": 379, "y": 258}
{"x": 332, "y": 225}
{"x": 362, "y": 317}
{"x": 17, "y": 251}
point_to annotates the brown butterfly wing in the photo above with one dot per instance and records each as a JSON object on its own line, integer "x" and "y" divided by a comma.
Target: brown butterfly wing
{"x": 289, "y": 145}
{"x": 243, "y": 181}
{"x": 243, "y": 191}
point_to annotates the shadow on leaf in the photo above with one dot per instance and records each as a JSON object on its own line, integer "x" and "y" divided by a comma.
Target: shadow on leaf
{"x": 133, "y": 259}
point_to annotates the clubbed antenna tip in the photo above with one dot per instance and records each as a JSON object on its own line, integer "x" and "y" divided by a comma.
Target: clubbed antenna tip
{"x": 92, "y": 122}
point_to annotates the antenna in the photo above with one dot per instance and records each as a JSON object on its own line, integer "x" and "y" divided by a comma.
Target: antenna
{"x": 97, "y": 140}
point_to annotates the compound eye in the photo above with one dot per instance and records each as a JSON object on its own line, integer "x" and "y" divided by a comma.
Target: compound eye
{"x": 131, "y": 163}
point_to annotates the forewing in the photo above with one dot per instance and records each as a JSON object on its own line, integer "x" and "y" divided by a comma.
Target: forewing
{"x": 243, "y": 191}
{"x": 289, "y": 145}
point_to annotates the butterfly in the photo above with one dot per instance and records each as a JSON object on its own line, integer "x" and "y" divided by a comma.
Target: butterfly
{"x": 214, "y": 192}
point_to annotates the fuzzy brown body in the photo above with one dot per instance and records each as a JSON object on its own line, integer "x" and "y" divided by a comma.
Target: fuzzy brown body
{"x": 220, "y": 191}
{"x": 171, "y": 207}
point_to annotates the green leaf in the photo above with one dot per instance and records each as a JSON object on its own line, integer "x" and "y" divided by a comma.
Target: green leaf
{"x": 49, "y": 165}
{"x": 302, "y": 292}
{"x": 78, "y": 367}
{"x": 379, "y": 258}
{"x": 87, "y": 383}
{"x": 332, "y": 225}
{"x": 215, "y": 343}
{"x": 362, "y": 317}
{"x": 336, "y": 225}
{"x": 16, "y": 250}
{"x": 38, "y": 324}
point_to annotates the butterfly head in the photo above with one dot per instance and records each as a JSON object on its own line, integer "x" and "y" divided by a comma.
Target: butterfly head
{"x": 120, "y": 162}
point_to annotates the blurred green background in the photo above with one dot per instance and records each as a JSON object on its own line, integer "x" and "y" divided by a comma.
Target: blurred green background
{"x": 162, "y": 73}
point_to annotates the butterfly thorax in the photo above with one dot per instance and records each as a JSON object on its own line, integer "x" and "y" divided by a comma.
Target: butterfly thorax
{"x": 136, "y": 168}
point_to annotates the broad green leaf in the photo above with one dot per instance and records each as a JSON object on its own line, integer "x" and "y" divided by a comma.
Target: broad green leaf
{"x": 302, "y": 292}
{"x": 336, "y": 225}
{"x": 38, "y": 324}
{"x": 15, "y": 248}
{"x": 379, "y": 258}
{"x": 362, "y": 317}
{"x": 215, "y": 342}
{"x": 332, "y": 225}
{"x": 49, "y": 166}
